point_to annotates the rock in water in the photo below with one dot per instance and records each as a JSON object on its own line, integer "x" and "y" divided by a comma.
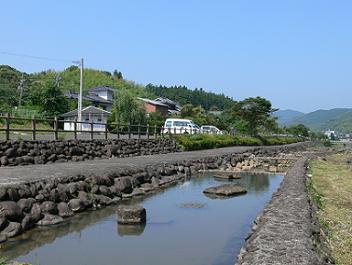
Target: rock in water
{"x": 50, "y": 219}
{"x": 227, "y": 176}
{"x": 134, "y": 214}
{"x": 226, "y": 190}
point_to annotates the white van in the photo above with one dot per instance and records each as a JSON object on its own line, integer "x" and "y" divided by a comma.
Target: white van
{"x": 210, "y": 129}
{"x": 181, "y": 126}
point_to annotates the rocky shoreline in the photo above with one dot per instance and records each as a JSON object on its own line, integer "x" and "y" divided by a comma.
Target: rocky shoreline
{"x": 50, "y": 200}
{"x": 286, "y": 231}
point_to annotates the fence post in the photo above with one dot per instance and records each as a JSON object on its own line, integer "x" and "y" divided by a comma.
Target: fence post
{"x": 106, "y": 131}
{"x": 169, "y": 131}
{"x": 7, "y": 125}
{"x": 75, "y": 128}
{"x": 148, "y": 131}
{"x": 56, "y": 129}
{"x": 118, "y": 130}
{"x": 155, "y": 136}
{"x": 129, "y": 130}
{"x": 91, "y": 130}
{"x": 139, "y": 131}
{"x": 33, "y": 127}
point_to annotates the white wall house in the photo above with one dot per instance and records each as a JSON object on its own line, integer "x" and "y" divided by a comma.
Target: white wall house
{"x": 104, "y": 92}
{"x": 89, "y": 114}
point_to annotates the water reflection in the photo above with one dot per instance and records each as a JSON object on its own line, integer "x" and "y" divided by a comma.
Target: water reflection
{"x": 96, "y": 238}
{"x": 130, "y": 230}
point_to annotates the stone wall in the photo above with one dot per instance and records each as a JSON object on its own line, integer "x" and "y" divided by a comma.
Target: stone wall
{"x": 49, "y": 200}
{"x": 284, "y": 233}
{"x": 13, "y": 153}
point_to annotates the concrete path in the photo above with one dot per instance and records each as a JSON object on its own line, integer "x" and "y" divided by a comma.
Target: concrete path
{"x": 283, "y": 233}
{"x": 25, "y": 174}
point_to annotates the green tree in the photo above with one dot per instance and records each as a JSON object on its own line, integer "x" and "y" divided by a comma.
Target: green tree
{"x": 298, "y": 130}
{"x": 254, "y": 115}
{"x": 53, "y": 101}
{"x": 128, "y": 109}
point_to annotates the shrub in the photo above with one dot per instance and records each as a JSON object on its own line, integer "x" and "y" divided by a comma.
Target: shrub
{"x": 207, "y": 141}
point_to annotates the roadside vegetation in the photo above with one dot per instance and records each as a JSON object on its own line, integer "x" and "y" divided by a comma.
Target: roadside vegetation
{"x": 331, "y": 189}
{"x": 206, "y": 141}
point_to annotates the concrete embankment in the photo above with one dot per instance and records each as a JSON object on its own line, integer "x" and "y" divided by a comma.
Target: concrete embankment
{"x": 284, "y": 232}
{"x": 46, "y": 194}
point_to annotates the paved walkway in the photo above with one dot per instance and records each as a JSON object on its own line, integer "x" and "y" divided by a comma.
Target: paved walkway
{"x": 283, "y": 232}
{"x": 25, "y": 174}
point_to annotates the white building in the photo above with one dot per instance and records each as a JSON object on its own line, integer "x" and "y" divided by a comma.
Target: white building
{"x": 330, "y": 133}
{"x": 89, "y": 114}
{"x": 104, "y": 92}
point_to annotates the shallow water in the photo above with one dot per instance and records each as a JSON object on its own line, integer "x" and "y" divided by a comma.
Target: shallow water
{"x": 174, "y": 234}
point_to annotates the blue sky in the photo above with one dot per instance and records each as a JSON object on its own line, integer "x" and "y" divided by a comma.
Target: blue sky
{"x": 297, "y": 53}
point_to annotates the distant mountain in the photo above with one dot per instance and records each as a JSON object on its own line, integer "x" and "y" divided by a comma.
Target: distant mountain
{"x": 339, "y": 119}
{"x": 285, "y": 117}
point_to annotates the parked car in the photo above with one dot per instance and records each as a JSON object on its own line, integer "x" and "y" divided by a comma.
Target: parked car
{"x": 180, "y": 126}
{"x": 210, "y": 129}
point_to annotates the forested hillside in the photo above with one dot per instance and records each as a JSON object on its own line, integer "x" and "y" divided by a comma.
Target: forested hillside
{"x": 339, "y": 119}
{"x": 26, "y": 90}
{"x": 197, "y": 97}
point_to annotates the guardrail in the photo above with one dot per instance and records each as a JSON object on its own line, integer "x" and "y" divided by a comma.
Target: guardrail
{"x": 77, "y": 129}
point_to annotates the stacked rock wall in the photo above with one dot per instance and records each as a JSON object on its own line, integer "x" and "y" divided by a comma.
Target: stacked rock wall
{"x": 13, "y": 153}
{"x": 49, "y": 200}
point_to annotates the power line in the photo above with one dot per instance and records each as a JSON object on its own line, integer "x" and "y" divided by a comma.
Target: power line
{"x": 40, "y": 57}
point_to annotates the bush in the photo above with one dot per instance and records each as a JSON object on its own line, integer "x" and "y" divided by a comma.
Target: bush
{"x": 207, "y": 141}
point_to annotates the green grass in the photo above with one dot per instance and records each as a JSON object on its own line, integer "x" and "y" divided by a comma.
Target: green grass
{"x": 207, "y": 141}
{"x": 331, "y": 189}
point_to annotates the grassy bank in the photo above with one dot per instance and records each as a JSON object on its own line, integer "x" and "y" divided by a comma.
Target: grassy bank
{"x": 331, "y": 189}
{"x": 206, "y": 141}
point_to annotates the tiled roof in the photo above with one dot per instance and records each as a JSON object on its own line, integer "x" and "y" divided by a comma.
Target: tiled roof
{"x": 101, "y": 88}
{"x": 86, "y": 110}
{"x": 153, "y": 102}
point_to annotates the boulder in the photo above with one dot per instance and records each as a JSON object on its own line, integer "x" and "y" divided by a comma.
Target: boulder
{"x": 28, "y": 222}
{"x": 131, "y": 214}
{"x": 85, "y": 199}
{"x": 123, "y": 184}
{"x": 11, "y": 211}
{"x": 26, "y": 204}
{"x": 49, "y": 207}
{"x": 3, "y": 222}
{"x": 36, "y": 212}
{"x": 11, "y": 152}
{"x": 50, "y": 219}
{"x": 13, "y": 229}
{"x": 226, "y": 190}
{"x": 64, "y": 210}
{"x": 3, "y": 238}
{"x": 4, "y": 160}
{"x": 3, "y": 193}
{"x": 76, "y": 205}
{"x": 105, "y": 190}
{"x": 102, "y": 200}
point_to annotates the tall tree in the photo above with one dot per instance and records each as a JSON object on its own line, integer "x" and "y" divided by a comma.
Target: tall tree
{"x": 128, "y": 109}
{"x": 53, "y": 101}
{"x": 254, "y": 115}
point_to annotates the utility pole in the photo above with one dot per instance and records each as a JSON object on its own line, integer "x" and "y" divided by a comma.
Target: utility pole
{"x": 20, "y": 88}
{"x": 80, "y": 95}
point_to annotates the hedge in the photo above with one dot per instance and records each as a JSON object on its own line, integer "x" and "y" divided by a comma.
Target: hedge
{"x": 208, "y": 141}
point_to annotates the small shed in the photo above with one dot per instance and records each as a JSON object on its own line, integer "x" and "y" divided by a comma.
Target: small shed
{"x": 89, "y": 114}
